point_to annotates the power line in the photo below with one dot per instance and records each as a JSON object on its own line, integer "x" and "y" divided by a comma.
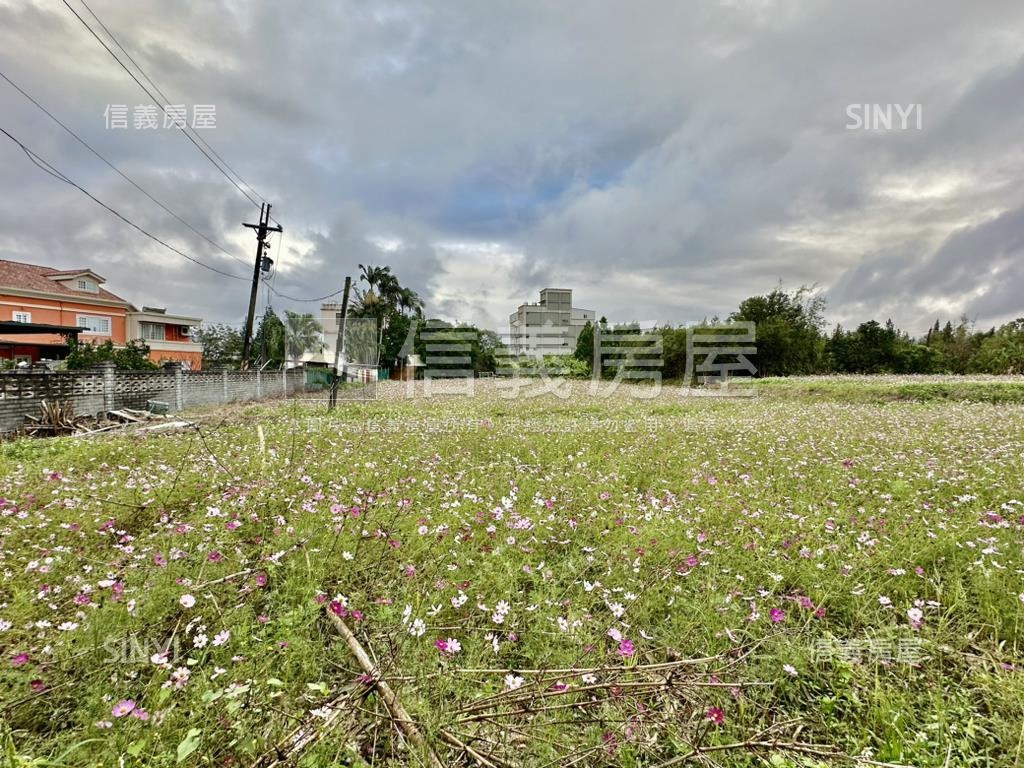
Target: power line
{"x": 292, "y": 298}
{"x": 57, "y": 174}
{"x": 271, "y": 281}
{"x": 165, "y": 98}
{"x": 121, "y": 173}
{"x": 156, "y": 101}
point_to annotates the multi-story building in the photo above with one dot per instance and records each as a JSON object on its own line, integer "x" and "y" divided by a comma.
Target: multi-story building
{"x": 549, "y": 327}
{"x": 169, "y": 337}
{"x": 58, "y": 303}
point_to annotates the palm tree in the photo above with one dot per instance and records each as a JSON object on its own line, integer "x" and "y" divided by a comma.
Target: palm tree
{"x": 385, "y": 300}
{"x": 303, "y": 334}
{"x": 409, "y": 300}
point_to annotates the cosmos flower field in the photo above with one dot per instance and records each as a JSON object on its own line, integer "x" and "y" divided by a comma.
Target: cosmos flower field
{"x": 815, "y": 575}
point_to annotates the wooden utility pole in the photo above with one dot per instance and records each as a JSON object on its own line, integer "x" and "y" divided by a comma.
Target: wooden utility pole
{"x": 262, "y": 265}
{"x": 339, "y": 346}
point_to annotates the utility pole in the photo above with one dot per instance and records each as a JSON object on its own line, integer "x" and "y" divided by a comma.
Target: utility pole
{"x": 262, "y": 265}
{"x": 339, "y": 345}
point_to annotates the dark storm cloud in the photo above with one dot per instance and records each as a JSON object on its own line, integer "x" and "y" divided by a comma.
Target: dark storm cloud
{"x": 686, "y": 153}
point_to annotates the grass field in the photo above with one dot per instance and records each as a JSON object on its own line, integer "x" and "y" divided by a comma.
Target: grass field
{"x": 829, "y": 573}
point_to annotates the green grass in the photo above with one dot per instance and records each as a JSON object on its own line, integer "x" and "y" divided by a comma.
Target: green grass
{"x": 792, "y": 535}
{"x": 876, "y": 389}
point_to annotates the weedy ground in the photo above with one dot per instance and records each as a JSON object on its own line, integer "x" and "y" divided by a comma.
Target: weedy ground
{"x": 830, "y": 572}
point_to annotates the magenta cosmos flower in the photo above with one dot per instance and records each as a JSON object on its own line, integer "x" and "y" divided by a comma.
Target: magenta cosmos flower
{"x": 124, "y": 707}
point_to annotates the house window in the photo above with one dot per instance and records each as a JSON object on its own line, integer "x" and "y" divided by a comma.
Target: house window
{"x": 95, "y": 324}
{"x": 87, "y": 285}
{"x": 23, "y": 317}
{"x": 153, "y": 331}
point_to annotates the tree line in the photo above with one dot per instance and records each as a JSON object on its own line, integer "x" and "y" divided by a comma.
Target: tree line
{"x": 791, "y": 340}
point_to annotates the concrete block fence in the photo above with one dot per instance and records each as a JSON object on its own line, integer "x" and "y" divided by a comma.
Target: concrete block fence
{"x": 104, "y": 388}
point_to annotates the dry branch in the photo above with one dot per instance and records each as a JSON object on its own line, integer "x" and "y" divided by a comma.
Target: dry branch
{"x": 309, "y": 732}
{"x": 395, "y": 709}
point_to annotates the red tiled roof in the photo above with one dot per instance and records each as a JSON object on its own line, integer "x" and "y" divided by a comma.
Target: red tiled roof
{"x": 85, "y": 271}
{"x": 33, "y": 277}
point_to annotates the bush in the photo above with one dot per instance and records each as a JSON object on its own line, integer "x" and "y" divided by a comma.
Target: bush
{"x": 133, "y": 356}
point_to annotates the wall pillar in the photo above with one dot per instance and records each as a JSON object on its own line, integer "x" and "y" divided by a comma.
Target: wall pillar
{"x": 176, "y": 369}
{"x": 107, "y": 370}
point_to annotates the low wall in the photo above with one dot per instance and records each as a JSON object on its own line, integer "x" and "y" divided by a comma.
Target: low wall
{"x": 105, "y": 388}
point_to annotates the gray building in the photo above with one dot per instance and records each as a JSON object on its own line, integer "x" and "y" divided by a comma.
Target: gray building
{"x": 549, "y": 327}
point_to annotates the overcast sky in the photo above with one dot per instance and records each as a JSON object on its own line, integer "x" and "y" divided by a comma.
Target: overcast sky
{"x": 665, "y": 159}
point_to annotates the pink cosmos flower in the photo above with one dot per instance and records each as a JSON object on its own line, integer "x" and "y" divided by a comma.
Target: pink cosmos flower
{"x": 715, "y": 715}
{"x": 626, "y": 649}
{"x": 122, "y": 708}
{"x": 19, "y": 659}
{"x": 776, "y": 615}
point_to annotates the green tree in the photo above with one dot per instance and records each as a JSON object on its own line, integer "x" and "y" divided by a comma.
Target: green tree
{"x": 484, "y": 346}
{"x": 585, "y": 345}
{"x": 133, "y": 356}
{"x": 222, "y": 345}
{"x": 303, "y": 334}
{"x": 788, "y": 331}
{"x": 385, "y": 300}
{"x": 1002, "y": 351}
{"x": 269, "y": 340}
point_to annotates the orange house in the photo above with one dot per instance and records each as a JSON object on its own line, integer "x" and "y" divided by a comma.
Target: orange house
{"x": 76, "y": 299}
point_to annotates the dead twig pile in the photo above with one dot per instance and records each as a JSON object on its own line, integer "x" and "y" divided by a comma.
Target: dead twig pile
{"x": 634, "y": 703}
{"x": 58, "y": 418}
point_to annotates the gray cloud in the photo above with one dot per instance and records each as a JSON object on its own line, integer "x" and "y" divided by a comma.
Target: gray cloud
{"x": 664, "y": 159}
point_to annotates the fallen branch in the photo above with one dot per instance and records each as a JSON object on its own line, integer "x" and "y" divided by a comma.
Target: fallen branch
{"x": 309, "y": 732}
{"x": 255, "y": 569}
{"x": 482, "y": 760}
{"x": 796, "y": 747}
{"x": 590, "y": 670}
{"x": 394, "y": 706}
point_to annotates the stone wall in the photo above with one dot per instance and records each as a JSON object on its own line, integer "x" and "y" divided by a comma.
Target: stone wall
{"x": 105, "y": 388}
